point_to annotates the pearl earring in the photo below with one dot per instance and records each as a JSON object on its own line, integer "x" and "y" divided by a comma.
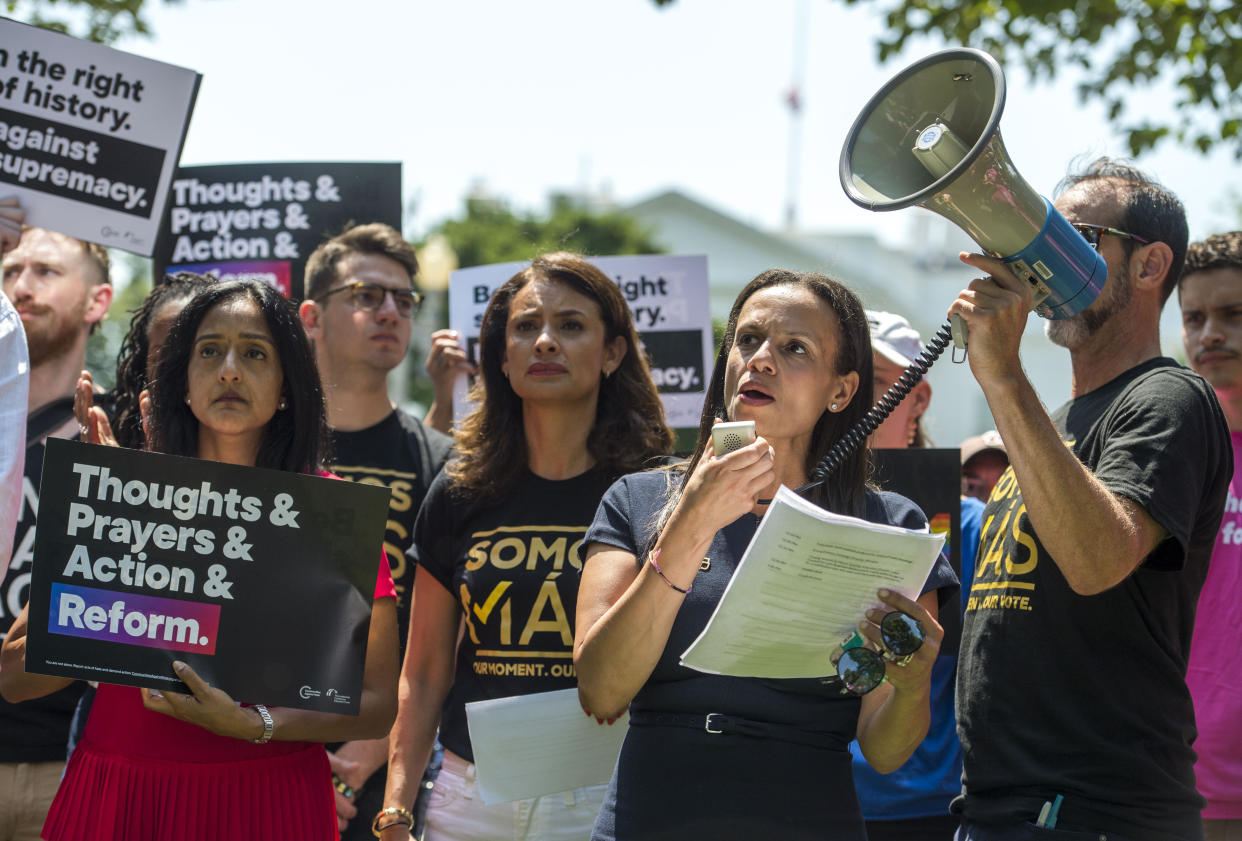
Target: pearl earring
{"x": 833, "y": 407}
{"x": 284, "y": 404}
{"x": 187, "y": 400}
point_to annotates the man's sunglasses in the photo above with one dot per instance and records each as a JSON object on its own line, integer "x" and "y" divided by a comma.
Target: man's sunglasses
{"x": 369, "y": 297}
{"x": 861, "y": 669}
{"x": 1092, "y": 234}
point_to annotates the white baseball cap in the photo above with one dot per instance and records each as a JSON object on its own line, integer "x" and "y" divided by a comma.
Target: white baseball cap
{"x": 976, "y": 444}
{"x": 893, "y": 337}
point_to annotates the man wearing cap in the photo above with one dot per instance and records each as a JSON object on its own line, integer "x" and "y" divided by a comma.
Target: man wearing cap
{"x": 1072, "y": 703}
{"x": 896, "y": 344}
{"x": 1210, "y": 294}
{"x": 983, "y": 461}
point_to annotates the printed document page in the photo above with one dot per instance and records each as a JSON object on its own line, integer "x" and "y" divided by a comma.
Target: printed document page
{"x": 802, "y": 586}
{"x": 530, "y": 745}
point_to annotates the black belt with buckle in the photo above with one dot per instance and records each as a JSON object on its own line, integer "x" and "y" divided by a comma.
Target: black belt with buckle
{"x": 722, "y": 724}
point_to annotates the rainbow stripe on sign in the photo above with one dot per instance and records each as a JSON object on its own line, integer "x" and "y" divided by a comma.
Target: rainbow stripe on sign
{"x": 133, "y": 619}
{"x": 275, "y": 273}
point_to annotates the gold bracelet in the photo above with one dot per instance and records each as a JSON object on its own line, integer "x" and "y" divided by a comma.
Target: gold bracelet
{"x": 404, "y": 817}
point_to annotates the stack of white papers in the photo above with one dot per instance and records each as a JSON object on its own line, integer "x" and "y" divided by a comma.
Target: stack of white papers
{"x": 802, "y": 586}
{"x": 531, "y": 745}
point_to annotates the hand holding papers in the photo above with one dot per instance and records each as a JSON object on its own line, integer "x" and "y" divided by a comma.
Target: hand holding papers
{"x": 803, "y": 584}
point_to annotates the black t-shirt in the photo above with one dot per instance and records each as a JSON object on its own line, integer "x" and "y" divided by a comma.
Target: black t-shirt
{"x": 403, "y": 455}
{"x": 513, "y": 568}
{"x": 35, "y": 730}
{"x": 1085, "y": 696}
{"x": 737, "y": 787}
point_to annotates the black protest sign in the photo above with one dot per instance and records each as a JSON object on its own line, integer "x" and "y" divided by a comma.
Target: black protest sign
{"x": 263, "y": 220}
{"x": 676, "y": 360}
{"x": 932, "y": 479}
{"x": 89, "y": 135}
{"x": 261, "y": 580}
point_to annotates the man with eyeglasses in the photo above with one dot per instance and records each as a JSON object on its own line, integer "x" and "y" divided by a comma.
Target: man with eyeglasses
{"x": 1072, "y": 703}
{"x": 1210, "y": 294}
{"x": 360, "y": 302}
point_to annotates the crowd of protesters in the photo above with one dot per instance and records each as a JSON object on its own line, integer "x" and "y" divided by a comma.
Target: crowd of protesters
{"x": 1084, "y": 697}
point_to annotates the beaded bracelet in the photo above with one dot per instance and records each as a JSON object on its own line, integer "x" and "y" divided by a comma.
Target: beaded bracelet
{"x": 652, "y": 560}
{"x": 345, "y": 789}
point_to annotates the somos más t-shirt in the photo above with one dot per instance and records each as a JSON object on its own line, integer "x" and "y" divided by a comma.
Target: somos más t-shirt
{"x": 513, "y": 568}
{"x": 1085, "y": 696}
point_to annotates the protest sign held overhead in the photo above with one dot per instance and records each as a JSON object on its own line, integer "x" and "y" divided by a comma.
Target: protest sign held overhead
{"x": 261, "y": 580}
{"x": 668, "y": 298}
{"x": 262, "y": 220}
{"x": 89, "y": 135}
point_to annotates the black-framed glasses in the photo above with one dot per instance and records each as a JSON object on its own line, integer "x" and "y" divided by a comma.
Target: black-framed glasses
{"x": 861, "y": 669}
{"x": 370, "y": 296}
{"x": 1092, "y": 234}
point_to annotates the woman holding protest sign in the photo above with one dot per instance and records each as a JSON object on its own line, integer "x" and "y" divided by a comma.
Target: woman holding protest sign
{"x": 236, "y": 383}
{"x": 713, "y": 756}
{"x": 135, "y": 370}
{"x": 564, "y": 405}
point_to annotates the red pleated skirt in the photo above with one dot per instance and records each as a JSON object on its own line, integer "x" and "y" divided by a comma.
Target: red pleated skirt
{"x": 142, "y": 776}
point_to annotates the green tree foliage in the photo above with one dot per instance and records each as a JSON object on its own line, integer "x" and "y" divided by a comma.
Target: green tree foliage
{"x": 131, "y": 279}
{"x": 1120, "y": 46}
{"x": 491, "y": 232}
{"x": 104, "y": 21}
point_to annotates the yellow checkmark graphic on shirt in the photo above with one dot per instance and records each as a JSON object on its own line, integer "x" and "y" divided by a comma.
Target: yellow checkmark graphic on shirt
{"x": 485, "y": 610}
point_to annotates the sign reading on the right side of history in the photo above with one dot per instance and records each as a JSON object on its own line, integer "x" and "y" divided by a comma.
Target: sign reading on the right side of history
{"x": 668, "y": 298}
{"x": 89, "y": 135}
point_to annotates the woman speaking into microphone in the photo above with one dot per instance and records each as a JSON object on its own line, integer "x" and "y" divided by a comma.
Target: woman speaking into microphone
{"x": 796, "y": 359}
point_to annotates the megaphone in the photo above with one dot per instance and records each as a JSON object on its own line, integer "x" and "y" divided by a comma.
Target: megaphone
{"x": 930, "y": 137}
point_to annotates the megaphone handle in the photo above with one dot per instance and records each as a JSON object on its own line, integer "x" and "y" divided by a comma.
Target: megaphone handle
{"x": 855, "y": 437}
{"x": 957, "y": 326}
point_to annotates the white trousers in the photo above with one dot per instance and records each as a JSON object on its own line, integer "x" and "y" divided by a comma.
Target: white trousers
{"x": 456, "y": 811}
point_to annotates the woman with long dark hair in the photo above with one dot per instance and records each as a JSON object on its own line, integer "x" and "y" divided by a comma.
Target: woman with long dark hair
{"x": 564, "y": 405}
{"x": 713, "y": 756}
{"x": 136, "y": 364}
{"x": 236, "y": 383}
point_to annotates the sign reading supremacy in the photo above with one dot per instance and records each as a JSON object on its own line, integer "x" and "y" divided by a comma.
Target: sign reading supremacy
{"x": 261, "y": 580}
{"x": 263, "y": 220}
{"x": 668, "y": 298}
{"x": 89, "y": 135}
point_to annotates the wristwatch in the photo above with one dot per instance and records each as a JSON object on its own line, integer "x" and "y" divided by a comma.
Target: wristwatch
{"x": 268, "y": 725}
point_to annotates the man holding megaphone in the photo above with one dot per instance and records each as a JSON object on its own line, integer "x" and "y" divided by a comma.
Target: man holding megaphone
{"x": 1072, "y": 704}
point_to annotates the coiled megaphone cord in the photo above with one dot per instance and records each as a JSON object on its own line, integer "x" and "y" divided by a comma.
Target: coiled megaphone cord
{"x": 855, "y": 437}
